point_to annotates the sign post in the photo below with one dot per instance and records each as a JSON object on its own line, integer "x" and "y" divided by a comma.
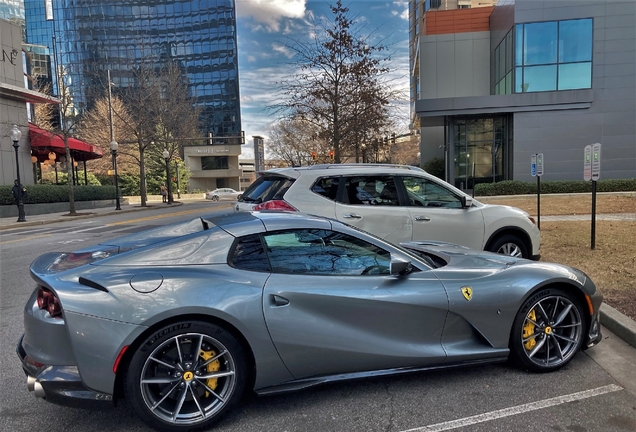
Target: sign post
{"x": 536, "y": 170}
{"x": 592, "y": 171}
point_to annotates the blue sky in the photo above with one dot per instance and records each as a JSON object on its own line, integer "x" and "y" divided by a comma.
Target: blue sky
{"x": 264, "y": 26}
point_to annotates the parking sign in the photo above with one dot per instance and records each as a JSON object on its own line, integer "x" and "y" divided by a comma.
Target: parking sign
{"x": 587, "y": 163}
{"x": 540, "y": 164}
{"x": 596, "y": 161}
{"x": 533, "y": 165}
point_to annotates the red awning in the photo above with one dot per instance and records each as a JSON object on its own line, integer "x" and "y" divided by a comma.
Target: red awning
{"x": 43, "y": 142}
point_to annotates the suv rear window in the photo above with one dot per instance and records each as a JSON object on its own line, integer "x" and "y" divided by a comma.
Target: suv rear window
{"x": 267, "y": 188}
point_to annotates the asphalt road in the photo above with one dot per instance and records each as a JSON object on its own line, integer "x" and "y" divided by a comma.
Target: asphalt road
{"x": 595, "y": 392}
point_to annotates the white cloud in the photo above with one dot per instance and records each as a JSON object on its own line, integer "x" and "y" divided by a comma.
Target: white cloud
{"x": 283, "y": 50}
{"x": 270, "y": 12}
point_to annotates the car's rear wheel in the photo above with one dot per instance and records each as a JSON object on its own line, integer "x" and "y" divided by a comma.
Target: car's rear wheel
{"x": 215, "y": 197}
{"x": 186, "y": 376}
{"x": 547, "y": 331}
{"x": 510, "y": 245}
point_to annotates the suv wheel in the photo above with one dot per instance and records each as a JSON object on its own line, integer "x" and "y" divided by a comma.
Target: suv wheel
{"x": 510, "y": 245}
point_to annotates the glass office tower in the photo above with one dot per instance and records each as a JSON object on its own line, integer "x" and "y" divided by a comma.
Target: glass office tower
{"x": 93, "y": 36}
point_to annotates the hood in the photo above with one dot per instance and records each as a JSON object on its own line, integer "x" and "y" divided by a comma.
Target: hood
{"x": 460, "y": 256}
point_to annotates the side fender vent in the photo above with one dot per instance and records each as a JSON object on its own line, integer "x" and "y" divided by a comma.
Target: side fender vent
{"x": 90, "y": 283}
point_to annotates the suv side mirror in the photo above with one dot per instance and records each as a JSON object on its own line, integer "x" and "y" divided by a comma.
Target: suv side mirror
{"x": 466, "y": 201}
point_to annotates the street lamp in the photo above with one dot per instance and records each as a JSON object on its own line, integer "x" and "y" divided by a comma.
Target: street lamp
{"x": 113, "y": 151}
{"x": 166, "y": 156}
{"x": 16, "y": 134}
{"x": 176, "y": 167}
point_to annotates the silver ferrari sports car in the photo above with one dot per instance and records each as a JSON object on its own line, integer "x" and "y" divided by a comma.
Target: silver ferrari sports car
{"x": 182, "y": 320}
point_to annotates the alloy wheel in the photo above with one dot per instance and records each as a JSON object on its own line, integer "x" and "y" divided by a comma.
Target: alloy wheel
{"x": 510, "y": 249}
{"x": 552, "y": 331}
{"x": 188, "y": 379}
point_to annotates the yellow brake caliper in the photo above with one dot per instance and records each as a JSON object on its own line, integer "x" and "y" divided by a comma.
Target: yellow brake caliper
{"x": 528, "y": 330}
{"x": 212, "y": 367}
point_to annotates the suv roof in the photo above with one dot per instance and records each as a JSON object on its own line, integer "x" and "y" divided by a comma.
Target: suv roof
{"x": 351, "y": 166}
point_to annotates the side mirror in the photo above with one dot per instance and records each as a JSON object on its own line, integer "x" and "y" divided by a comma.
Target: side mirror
{"x": 466, "y": 201}
{"x": 399, "y": 266}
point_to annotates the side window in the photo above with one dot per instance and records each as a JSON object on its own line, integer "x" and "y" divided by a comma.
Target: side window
{"x": 426, "y": 193}
{"x": 249, "y": 254}
{"x": 324, "y": 252}
{"x": 371, "y": 190}
{"x": 327, "y": 187}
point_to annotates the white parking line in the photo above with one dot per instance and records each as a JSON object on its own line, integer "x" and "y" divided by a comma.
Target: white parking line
{"x": 519, "y": 409}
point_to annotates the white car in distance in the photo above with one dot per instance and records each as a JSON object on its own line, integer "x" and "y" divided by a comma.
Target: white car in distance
{"x": 223, "y": 194}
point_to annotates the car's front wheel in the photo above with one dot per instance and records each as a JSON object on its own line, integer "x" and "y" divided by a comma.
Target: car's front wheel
{"x": 510, "y": 245}
{"x": 185, "y": 376}
{"x": 548, "y": 330}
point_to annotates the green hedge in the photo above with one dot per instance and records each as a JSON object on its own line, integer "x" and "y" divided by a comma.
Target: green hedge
{"x": 44, "y": 193}
{"x": 515, "y": 187}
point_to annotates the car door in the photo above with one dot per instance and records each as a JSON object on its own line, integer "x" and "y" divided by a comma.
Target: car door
{"x": 437, "y": 214}
{"x": 371, "y": 203}
{"x": 332, "y": 307}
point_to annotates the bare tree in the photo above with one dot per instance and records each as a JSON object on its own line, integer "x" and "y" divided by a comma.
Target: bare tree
{"x": 93, "y": 129}
{"x": 176, "y": 115}
{"x": 64, "y": 126}
{"x": 158, "y": 113}
{"x": 339, "y": 87}
{"x": 298, "y": 142}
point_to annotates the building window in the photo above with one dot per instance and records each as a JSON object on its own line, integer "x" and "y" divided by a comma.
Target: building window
{"x": 554, "y": 55}
{"x": 432, "y": 4}
{"x": 503, "y": 65}
{"x": 214, "y": 163}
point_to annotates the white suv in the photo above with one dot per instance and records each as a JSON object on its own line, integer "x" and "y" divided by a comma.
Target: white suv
{"x": 397, "y": 202}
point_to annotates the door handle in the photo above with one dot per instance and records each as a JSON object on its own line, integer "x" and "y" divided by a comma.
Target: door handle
{"x": 423, "y": 218}
{"x": 351, "y": 216}
{"x": 279, "y": 301}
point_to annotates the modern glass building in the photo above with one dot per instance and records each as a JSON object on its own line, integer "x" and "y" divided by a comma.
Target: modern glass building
{"x": 93, "y": 36}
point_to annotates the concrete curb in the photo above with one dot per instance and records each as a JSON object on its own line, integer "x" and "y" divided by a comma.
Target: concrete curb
{"x": 619, "y": 324}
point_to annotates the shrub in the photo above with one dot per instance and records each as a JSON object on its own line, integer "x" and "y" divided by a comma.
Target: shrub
{"x": 516, "y": 187}
{"x": 46, "y": 193}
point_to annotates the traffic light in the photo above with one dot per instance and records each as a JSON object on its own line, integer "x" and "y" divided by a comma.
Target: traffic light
{"x": 313, "y": 155}
{"x": 331, "y": 154}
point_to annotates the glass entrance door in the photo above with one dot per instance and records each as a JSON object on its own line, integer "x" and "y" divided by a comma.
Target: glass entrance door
{"x": 480, "y": 150}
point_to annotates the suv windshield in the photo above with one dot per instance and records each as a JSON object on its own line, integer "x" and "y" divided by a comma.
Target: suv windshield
{"x": 267, "y": 188}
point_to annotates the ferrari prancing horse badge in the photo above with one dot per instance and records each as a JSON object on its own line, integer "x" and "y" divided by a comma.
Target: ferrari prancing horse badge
{"x": 467, "y": 292}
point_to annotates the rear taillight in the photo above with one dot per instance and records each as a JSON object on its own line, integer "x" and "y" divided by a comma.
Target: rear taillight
{"x": 275, "y": 205}
{"x": 48, "y": 301}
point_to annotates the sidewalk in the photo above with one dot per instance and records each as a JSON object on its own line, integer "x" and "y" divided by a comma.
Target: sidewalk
{"x": 49, "y": 218}
{"x": 618, "y": 323}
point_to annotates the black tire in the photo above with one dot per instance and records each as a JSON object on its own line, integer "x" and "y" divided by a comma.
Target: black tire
{"x": 215, "y": 197}
{"x": 199, "y": 388}
{"x": 548, "y": 330}
{"x": 510, "y": 245}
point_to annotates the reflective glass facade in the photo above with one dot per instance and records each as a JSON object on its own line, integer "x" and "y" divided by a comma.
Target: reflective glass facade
{"x": 553, "y": 55}
{"x": 13, "y": 10}
{"x": 93, "y": 36}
